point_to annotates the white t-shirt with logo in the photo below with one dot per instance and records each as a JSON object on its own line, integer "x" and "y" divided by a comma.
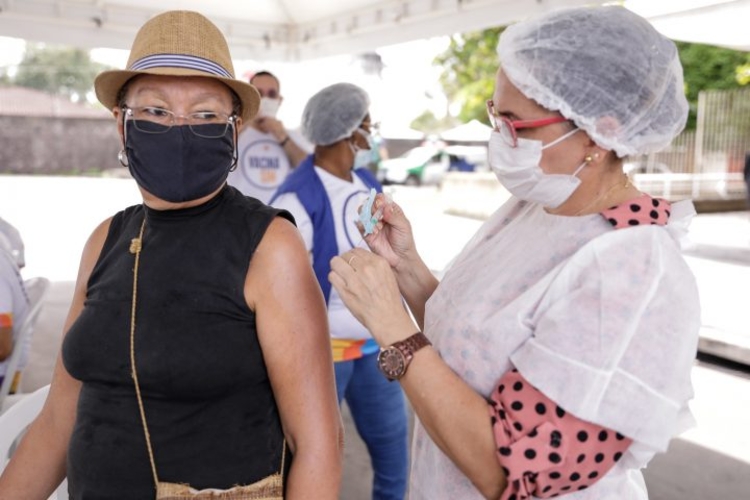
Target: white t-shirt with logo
{"x": 262, "y": 164}
{"x": 345, "y": 198}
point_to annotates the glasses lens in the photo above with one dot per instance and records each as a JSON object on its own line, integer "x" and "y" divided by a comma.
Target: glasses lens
{"x": 150, "y": 127}
{"x": 506, "y": 130}
{"x": 210, "y": 130}
{"x": 491, "y": 114}
{"x": 209, "y": 124}
{"x": 151, "y": 120}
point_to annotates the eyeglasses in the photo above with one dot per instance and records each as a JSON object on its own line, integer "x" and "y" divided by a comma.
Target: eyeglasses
{"x": 153, "y": 120}
{"x": 508, "y": 128}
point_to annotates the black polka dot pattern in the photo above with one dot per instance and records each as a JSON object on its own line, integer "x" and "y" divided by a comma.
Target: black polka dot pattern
{"x": 643, "y": 210}
{"x": 543, "y": 450}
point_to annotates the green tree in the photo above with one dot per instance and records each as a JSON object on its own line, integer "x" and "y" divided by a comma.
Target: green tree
{"x": 428, "y": 123}
{"x": 59, "y": 70}
{"x": 469, "y": 66}
{"x": 470, "y": 62}
{"x": 707, "y": 67}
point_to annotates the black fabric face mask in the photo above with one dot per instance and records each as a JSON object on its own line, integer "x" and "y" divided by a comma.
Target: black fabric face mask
{"x": 178, "y": 165}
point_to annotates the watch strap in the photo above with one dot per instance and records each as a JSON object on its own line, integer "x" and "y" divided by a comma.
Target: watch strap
{"x": 412, "y": 344}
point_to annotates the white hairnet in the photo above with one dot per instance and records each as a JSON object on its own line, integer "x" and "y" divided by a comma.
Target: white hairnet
{"x": 605, "y": 68}
{"x": 334, "y": 113}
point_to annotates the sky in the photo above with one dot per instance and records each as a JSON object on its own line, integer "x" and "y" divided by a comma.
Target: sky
{"x": 406, "y": 88}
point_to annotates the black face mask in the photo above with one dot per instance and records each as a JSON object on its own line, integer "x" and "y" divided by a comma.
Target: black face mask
{"x": 178, "y": 165}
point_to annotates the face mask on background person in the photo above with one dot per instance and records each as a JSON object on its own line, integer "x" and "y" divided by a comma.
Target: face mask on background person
{"x": 519, "y": 172}
{"x": 178, "y": 165}
{"x": 362, "y": 157}
{"x": 269, "y": 107}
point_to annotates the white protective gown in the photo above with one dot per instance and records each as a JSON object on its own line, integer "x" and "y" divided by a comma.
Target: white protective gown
{"x": 604, "y": 322}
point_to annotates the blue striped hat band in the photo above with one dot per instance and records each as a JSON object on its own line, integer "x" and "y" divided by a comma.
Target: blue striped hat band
{"x": 180, "y": 61}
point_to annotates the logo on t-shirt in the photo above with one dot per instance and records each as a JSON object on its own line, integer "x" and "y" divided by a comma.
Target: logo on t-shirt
{"x": 264, "y": 164}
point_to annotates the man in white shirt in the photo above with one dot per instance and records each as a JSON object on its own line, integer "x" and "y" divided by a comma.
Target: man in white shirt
{"x": 267, "y": 150}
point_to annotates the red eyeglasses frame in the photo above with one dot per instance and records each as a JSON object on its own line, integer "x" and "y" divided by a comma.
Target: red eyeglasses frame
{"x": 512, "y": 126}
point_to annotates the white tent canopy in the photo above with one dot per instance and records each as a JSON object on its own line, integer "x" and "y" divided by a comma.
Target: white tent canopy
{"x": 293, "y": 30}
{"x": 715, "y": 22}
{"x": 394, "y": 130}
{"x": 270, "y": 30}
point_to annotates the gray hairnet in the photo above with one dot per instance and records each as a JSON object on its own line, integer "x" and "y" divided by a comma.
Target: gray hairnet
{"x": 334, "y": 113}
{"x": 605, "y": 68}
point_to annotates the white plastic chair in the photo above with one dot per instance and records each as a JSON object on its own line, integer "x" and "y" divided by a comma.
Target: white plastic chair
{"x": 36, "y": 290}
{"x": 13, "y": 424}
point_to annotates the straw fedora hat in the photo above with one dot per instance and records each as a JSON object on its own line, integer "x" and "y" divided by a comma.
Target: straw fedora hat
{"x": 178, "y": 43}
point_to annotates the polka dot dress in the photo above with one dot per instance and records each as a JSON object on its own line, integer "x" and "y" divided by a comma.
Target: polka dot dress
{"x": 545, "y": 451}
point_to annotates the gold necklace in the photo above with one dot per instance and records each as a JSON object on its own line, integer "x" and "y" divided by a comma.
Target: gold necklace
{"x": 606, "y": 194}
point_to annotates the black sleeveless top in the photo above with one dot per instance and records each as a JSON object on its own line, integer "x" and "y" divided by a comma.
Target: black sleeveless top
{"x": 211, "y": 413}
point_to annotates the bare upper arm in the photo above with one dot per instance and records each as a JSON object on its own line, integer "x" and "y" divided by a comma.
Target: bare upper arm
{"x": 292, "y": 325}
{"x": 45, "y": 444}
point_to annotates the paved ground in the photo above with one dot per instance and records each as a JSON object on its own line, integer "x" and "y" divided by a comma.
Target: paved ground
{"x": 711, "y": 461}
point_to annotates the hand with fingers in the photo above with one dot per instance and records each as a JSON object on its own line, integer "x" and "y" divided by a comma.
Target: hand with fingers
{"x": 271, "y": 125}
{"x": 391, "y": 237}
{"x": 367, "y": 285}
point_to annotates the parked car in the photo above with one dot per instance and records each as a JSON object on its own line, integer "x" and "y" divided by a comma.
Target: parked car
{"x": 467, "y": 158}
{"x": 427, "y": 165}
{"x": 415, "y": 167}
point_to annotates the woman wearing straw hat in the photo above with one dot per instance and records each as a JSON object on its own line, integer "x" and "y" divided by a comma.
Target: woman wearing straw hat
{"x": 196, "y": 349}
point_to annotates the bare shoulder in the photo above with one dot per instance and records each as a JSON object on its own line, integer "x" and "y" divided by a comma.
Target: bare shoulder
{"x": 281, "y": 245}
{"x": 91, "y": 251}
{"x": 279, "y": 262}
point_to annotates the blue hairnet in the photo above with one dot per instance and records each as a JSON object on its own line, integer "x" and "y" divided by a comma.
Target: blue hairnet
{"x": 334, "y": 113}
{"x": 605, "y": 68}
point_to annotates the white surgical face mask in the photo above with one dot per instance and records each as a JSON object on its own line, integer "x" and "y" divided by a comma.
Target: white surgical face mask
{"x": 362, "y": 157}
{"x": 269, "y": 107}
{"x": 519, "y": 172}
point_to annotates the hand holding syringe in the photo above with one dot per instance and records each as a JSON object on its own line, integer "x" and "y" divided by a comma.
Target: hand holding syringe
{"x": 368, "y": 219}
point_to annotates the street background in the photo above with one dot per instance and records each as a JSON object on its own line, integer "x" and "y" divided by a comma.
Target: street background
{"x": 55, "y": 215}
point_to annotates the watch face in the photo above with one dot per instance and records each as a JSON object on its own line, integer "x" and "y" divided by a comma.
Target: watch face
{"x": 392, "y": 363}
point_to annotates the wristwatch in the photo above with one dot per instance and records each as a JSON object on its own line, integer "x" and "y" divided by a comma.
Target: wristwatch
{"x": 394, "y": 359}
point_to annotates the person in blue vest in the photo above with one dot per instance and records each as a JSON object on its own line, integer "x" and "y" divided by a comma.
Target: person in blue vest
{"x": 323, "y": 194}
